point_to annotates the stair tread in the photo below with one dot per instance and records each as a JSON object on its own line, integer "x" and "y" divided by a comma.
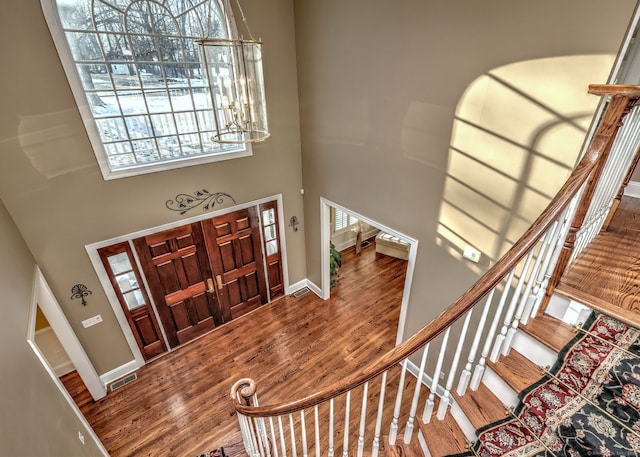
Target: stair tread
{"x": 413, "y": 449}
{"x": 549, "y": 331}
{"x": 481, "y": 406}
{"x": 516, "y": 370}
{"x": 445, "y": 435}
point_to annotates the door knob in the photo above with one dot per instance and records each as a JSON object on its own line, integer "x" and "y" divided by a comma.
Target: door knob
{"x": 210, "y": 288}
{"x": 219, "y": 280}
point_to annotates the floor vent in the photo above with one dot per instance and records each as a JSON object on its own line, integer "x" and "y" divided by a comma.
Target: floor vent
{"x": 364, "y": 244}
{"x": 300, "y": 292}
{"x": 123, "y": 381}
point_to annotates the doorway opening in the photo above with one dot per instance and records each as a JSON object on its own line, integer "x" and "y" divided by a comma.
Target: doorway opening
{"x": 362, "y": 241}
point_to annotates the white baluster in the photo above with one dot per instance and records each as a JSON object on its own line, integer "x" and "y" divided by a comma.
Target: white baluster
{"x": 347, "y": 407}
{"x": 408, "y": 429}
{"x": 555, "y": 254}
{"x": 393, "y": 430}
{"x": 261, "y": 432}
{"x": 551, "y": 242}
{"x": 465, "y": 376}
{"x": 506, "y": 345}
{"x": 363, "y": 419}
{"x": 478, "y": 372}
{"x": 273, "y": 437}
{"x": 330, "y": 453}
{"x": 445, "y": 401}
{"x": 257, "y": 444}
{"x": 495, "y": 354}
{"x": 303, "y": 431}
{"x": 429, "y": 404}
{"x": 283, "y": 444}
{"x": 292, "y": 433}
{"x": 317, "y": 427}
{"x": 376, "y": 435}
{"x": 246, "y": 434}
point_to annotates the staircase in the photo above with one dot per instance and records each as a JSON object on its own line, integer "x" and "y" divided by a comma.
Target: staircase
{"x": 542, "y": 338}
{"x": 428, "y": 395}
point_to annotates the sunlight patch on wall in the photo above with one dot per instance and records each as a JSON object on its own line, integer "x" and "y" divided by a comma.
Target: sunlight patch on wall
{"x": 517, "y": 133}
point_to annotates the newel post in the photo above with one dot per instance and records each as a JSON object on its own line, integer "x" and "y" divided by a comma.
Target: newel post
{"x": 243, "y": 392}
{"x": 618, "y": 107}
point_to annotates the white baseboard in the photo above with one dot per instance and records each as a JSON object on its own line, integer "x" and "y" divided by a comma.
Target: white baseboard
{"x": 315, "y": 289}
{"x": 351, "y": 242}
{"x": 632, "y": 189}
{"x": 64, "y": 368}
{"x": 297, "y": 286}
{"x": 119, "y": 372}
{"x": 426, "y": 379}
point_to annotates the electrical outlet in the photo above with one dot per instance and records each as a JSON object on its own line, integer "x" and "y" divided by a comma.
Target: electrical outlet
{"x": 472, "y": 254}
{"x": 92, "y": 321}
{"x": 81, "y": 437}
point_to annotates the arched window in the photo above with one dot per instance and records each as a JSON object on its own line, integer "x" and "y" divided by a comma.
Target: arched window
{"x": 136, "y": 75}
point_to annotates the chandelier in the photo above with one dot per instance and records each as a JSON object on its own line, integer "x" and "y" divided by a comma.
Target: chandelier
{"x": 233, "y": 69}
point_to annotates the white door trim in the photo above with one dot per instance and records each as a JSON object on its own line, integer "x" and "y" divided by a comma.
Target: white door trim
{"x": 92, "y": 250}
{"x": 44, "y": 298}
{"x": 325, "y": 239}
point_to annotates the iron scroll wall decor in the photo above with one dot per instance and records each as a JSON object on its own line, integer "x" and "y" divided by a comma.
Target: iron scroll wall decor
{"x": 186, "y": 202}
{"x": 80, "y": 291}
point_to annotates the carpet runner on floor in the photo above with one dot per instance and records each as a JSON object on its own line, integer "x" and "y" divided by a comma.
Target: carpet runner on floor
{"x": 592, "y": 408}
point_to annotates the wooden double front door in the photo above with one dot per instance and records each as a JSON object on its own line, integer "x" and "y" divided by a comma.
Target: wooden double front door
{"x": 200, "y": 275}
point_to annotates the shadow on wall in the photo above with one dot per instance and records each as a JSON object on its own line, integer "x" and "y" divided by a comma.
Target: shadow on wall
{"x": 517, "y": 134}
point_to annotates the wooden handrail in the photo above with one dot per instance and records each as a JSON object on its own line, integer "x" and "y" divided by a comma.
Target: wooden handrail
{"x": 488, "y": 281}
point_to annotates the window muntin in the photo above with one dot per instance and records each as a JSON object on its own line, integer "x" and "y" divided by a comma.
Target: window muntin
{"x": 140, "y": 77}
{"x": 125, "y": 277}
{"x": 270, "y": 231}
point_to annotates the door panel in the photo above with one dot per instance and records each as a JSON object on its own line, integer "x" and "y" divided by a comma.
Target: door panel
{"x": 233, "y": 241}
{"x": 177, "y": 269}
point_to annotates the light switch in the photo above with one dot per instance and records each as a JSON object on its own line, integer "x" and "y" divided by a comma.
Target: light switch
{"x": 92, "y": 321}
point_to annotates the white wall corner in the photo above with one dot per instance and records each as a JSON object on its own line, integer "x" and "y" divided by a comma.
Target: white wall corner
{"x": 119, "y": 372}
{"x": 632, "y": 189}
{"x": 314, "y": 288}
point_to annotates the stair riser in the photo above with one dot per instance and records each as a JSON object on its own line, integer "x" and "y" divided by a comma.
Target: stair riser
{"x": 534, "y": 350}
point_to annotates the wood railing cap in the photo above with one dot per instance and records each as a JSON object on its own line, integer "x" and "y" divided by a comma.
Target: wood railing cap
{"x": 623, "y": 96}
{"x": 614, "y": 89}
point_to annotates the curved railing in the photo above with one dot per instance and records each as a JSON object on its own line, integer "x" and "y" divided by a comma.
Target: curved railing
{"x": 508, "y": 293}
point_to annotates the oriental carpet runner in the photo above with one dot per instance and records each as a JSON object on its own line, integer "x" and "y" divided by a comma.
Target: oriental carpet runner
{"x": 587, "y": 405}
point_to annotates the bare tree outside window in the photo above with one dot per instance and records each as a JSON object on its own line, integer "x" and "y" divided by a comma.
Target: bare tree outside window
{"x": 140, "y": 71}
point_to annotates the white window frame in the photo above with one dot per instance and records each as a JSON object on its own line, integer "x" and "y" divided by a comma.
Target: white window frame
{"x": 50, "y": 10}
{"x": 351, "y": 221}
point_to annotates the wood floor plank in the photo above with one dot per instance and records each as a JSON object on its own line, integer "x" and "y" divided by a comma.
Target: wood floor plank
{"x": 180, "y": 405}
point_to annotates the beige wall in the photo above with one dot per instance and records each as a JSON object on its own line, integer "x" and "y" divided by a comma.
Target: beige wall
{"x": 35, "y": 419}
{"x": 380, "y": 84}
{"x": 53, "y": 189}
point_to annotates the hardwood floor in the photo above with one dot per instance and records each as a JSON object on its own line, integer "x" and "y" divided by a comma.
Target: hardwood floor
{"x": 606, "y": 275}
{"x": 180, "y": 404}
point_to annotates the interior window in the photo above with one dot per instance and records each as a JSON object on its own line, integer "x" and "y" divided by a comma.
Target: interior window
{"x": 136, "y": 74}
{"x": 342, "y": 220}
